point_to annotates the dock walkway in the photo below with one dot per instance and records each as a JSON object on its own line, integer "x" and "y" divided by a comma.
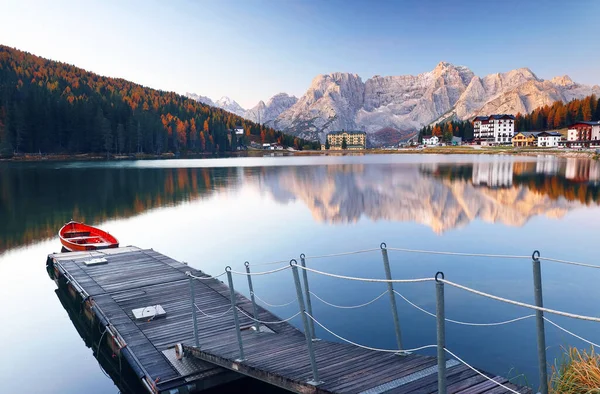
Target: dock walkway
{"x": 133, "y": 278}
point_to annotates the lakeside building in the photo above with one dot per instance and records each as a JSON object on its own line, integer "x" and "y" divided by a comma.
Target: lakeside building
{"x": 494, "y": 129}
{"x": 431, "y": 140}
{"x": 536, "y": 138}
{"x": 583, "y": 135}
{"x": 549, "y": 139}
{"x": 355, "y": 140}
{"x": 526, "y": 138}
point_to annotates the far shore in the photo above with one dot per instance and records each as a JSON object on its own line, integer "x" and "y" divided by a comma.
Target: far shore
{"x": 443, "y": 150}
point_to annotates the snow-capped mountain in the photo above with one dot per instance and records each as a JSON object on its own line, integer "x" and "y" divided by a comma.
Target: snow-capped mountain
{"x": 224, "y": 103}
{"x": 392, "y": 107}
{"x": 230, "y": 105}
{"x": 260, "y": 113}
{"x": 267, "y": 113}
{"x": 407, "y": 103}
{"x": 202, "y": 99}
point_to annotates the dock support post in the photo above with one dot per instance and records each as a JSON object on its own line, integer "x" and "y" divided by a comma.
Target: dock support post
{"x": 194, "y": 316}
{"x": 440, "y": 314}
{"x": 539, "y": 322}
{"x": 309, "y": 343}
{"x": 235, "y": 315}
{"x": 254, "y": 310}
{"x": 311, "y": 324}
{"x": 390, "y": 285}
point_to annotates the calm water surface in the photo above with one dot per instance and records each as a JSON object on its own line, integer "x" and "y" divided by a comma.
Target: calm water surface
{"x": 214, "y": 213}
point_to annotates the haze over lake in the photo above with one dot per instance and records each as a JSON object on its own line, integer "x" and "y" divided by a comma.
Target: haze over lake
{"x": 218, "y": 212}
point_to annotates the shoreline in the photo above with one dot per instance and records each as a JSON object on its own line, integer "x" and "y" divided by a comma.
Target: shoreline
{"x": 441, "y": 150}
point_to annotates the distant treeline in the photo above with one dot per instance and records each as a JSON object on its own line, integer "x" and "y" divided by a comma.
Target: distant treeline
{"x": 53, "y": 107}
{"x": 549, "y": 117}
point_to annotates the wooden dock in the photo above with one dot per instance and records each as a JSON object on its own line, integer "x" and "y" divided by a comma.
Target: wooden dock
{"x": 130, "y": 278}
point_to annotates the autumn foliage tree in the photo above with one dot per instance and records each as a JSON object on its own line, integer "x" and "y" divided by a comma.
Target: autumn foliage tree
{"x": 53, "y": 107}
{"x": 549, "y": 117}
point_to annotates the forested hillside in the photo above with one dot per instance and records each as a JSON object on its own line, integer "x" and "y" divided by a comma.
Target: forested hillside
{"x": 549, "y": 117}
{"x": 53, "y": 107}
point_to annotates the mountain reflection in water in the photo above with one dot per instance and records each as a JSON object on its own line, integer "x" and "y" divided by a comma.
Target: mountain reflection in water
{"x": 441, "y": 196}
{"x": 36, "y": 199}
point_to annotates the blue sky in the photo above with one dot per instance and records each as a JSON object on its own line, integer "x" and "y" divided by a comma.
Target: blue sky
{"x": 252, "y": 49}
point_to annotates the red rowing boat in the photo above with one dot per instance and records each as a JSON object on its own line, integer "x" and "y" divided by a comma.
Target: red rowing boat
{"x": 77, "y": 236}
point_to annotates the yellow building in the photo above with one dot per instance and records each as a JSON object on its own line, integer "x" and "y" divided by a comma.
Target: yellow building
{"x": 354, "y": 140}
{"x": 525, "y": 138}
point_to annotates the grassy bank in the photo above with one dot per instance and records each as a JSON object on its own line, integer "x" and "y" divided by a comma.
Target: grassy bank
{"x": 578, "y": 372}
{"x": 439, "y": 150}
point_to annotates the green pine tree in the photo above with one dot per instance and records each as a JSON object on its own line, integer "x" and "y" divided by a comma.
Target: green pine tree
{"x": 344, "y": 143}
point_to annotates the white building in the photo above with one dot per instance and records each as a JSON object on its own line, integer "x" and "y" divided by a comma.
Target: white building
{"x": 494, "y": 129}
{"x": 431, "y": 140}
{"x": 548, "y": 139}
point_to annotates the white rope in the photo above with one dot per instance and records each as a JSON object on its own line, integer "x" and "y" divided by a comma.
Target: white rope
{"x": 273, "y": 305}
{"x": 485, "y": 376}
{"x": 537, "y": 308}
{"x": 367, "y": 347}
{"x": 204, "y": 277}
{"x": 348, "y": 307}
{"x": 366, "y": 279}
{"x": 261, "y": 273}
{"x": 507, "y": 256}
{"x": 267, "y": 322}
{"x": 569, "y": 332}
{"x": 213, "y": 316}
{"x": 269, "y": 263}
{"x": 461, "y": 322}
{"x": 341, "y": 254}
{"x": 569, "y": 262}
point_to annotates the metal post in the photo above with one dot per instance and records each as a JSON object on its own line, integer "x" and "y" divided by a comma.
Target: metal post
{"x": 194, "y": 316}
{"x": 440, "y": 315}
{"x": 235, "y": 315}
{"x": 311, "y": 323}
{"x": 254, "y": 310}
{"x": 309, "y": 343}
{"x": 390, "y": 285}
{"x": 539, "y": 322}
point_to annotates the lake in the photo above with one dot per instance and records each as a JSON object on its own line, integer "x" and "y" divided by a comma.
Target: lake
{"x": 217, "y": 212}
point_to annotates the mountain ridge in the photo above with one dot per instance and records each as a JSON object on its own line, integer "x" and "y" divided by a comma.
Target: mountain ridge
{"x": 405, "y": 103}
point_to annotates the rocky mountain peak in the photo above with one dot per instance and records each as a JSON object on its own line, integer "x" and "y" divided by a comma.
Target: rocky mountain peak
{"x": 564, "y": 80}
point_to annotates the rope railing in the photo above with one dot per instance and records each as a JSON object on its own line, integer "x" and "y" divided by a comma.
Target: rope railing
{"x": 304, "y": 295}
{"x": 504, "y": 256}
{"x": 350, "y": 306}
{"x": 522, "y": 304}
{"x": 408, "y": 351}
{"x": 462, "y": 322}
{"x": 368, "y": 347}
{"x": 341, "y": 254}
{"x": 273, "y": 305}
{"x": 479, "y": 372}
{"x": 266, "y": 322}
{"x": 205, "y": 277}
{"x": 416, "y": 280}
{"x": 569, "y": 262}
{"x": 571, "y": 333}
{"x": 213, "y": 316}
{"x": 260, "y": 273}
{"x": 270, "y": 263}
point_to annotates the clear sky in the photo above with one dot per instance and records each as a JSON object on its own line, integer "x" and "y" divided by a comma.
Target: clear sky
{"x": 252, "y": 49}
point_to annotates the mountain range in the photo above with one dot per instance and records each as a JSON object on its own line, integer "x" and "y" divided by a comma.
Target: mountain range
{"x": 389, "y": 107}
